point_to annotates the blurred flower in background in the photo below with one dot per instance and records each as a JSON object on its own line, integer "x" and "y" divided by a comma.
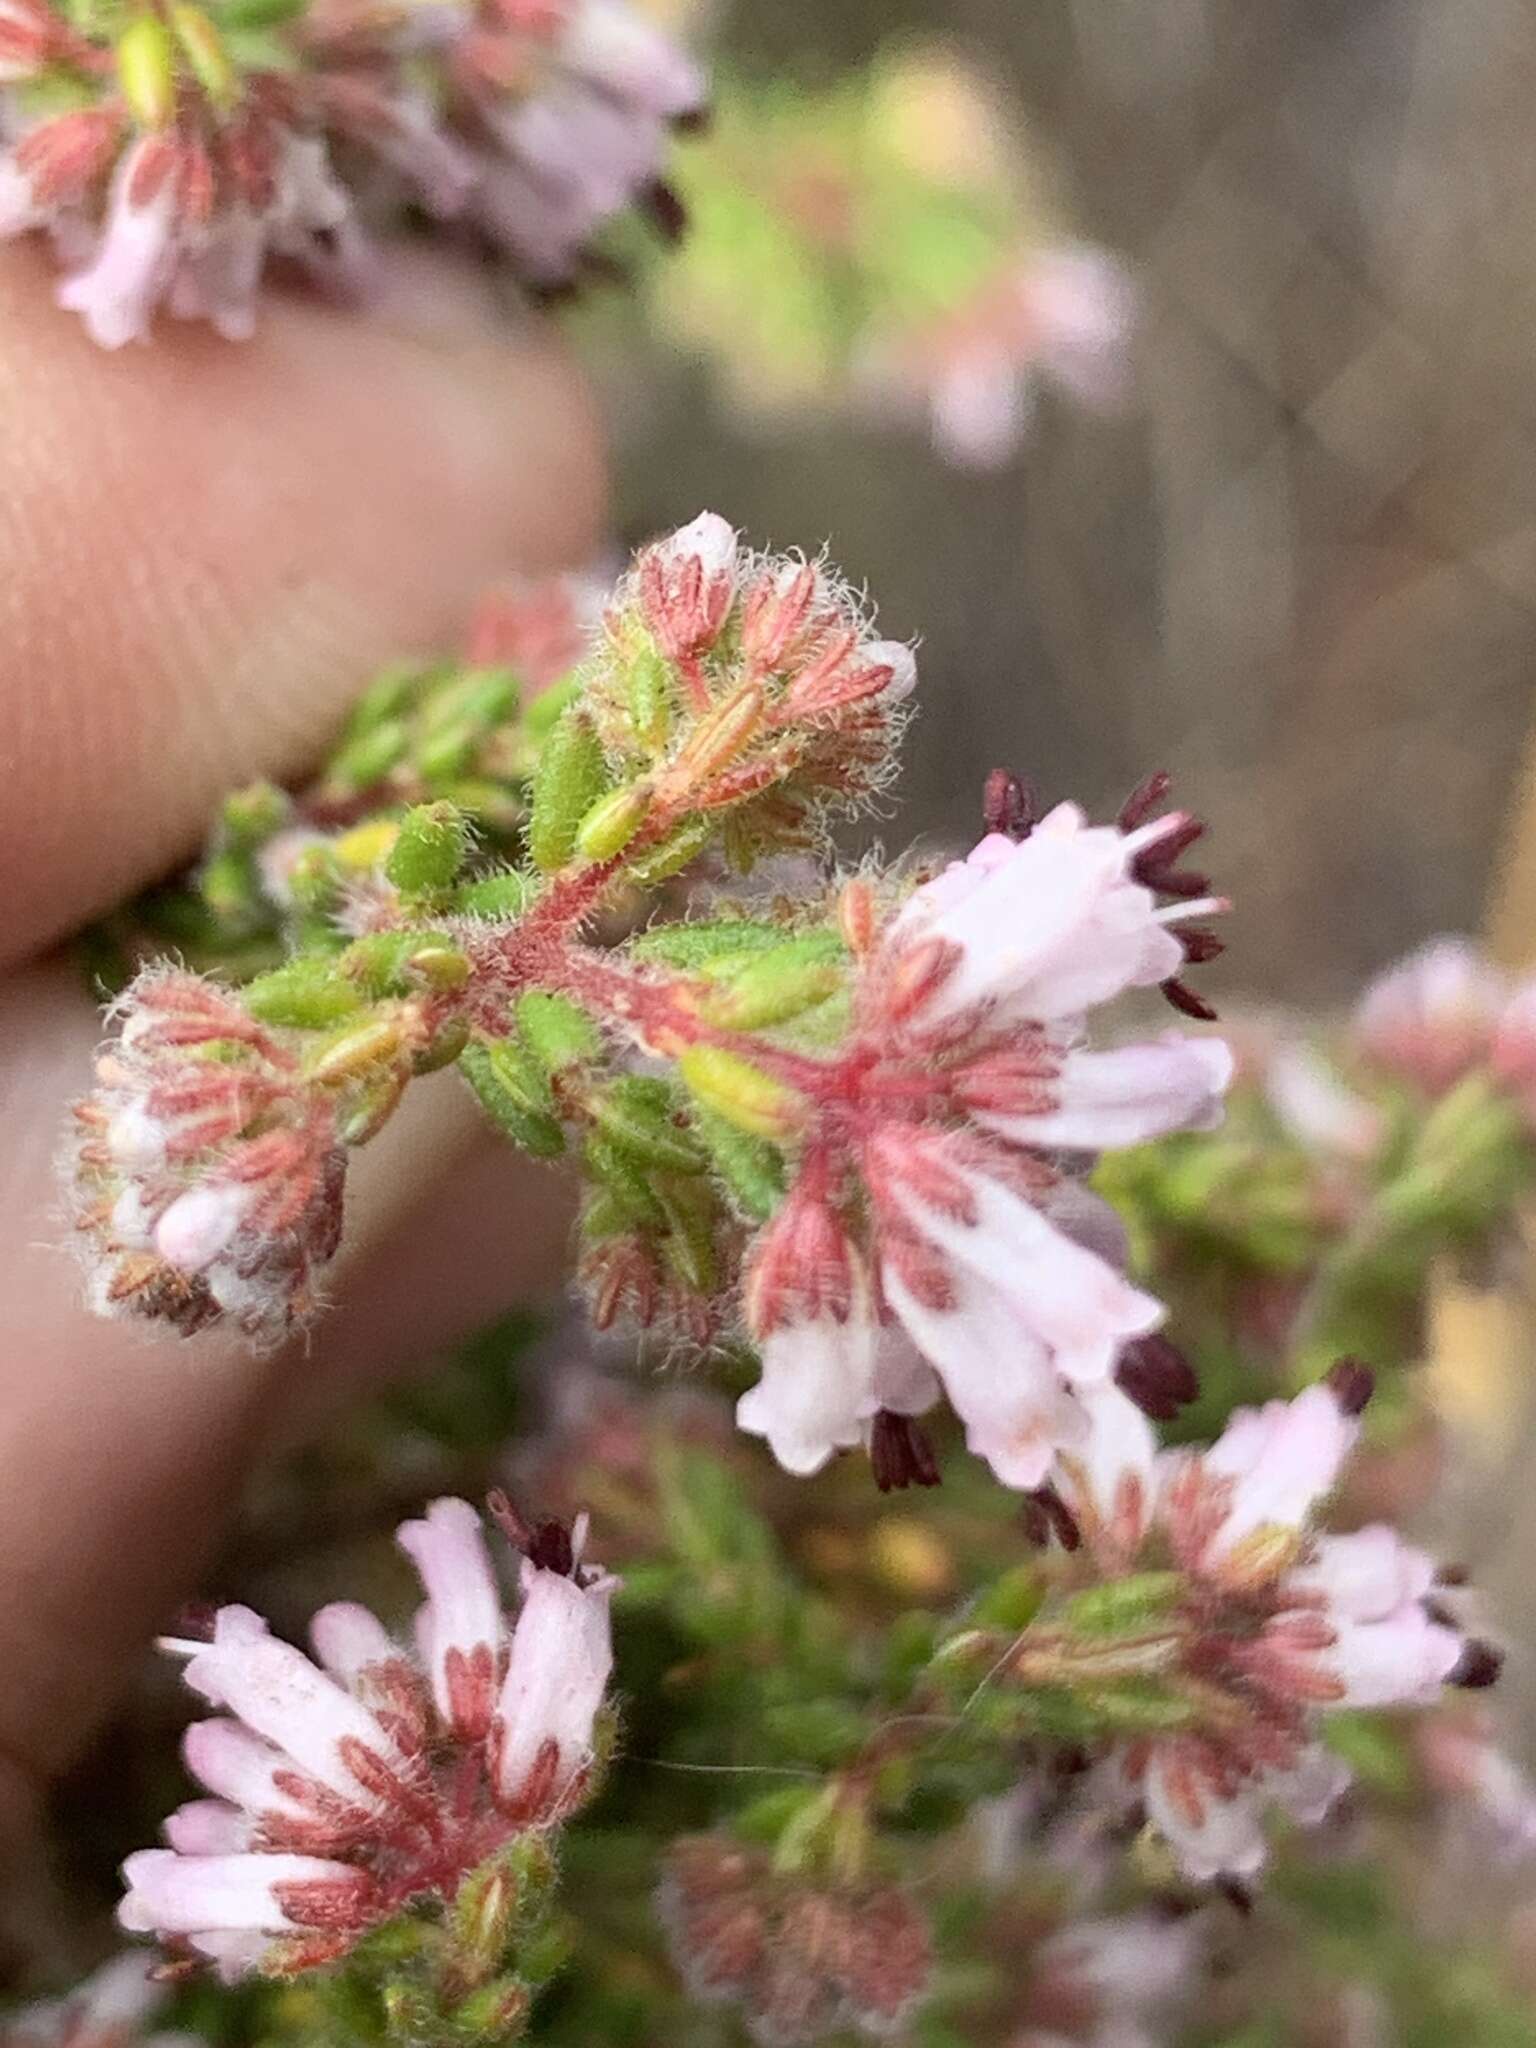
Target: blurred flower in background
{"x": 889, "y": 246}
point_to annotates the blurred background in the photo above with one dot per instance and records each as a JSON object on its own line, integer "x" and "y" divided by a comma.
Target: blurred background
{"x": 1277, "y": 534}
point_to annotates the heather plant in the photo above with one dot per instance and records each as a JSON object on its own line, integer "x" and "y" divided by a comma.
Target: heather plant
{"x": 930, "y": 1693}
{"x": 955, "y": 1577}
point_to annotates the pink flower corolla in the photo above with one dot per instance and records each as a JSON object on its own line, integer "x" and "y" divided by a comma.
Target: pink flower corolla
{"x": 1490, "y": 1797}
{"x": 556, "y": 115}
{"x": 540, "y": 626}
{"x": 1431, "y": 1019}
{"x": 188, "y": 163}
{"x": 206, "y": 1173}
{"x": 938, "y": 1237}
{"x": 1274, "y": 1623}
{"x": 1110, "y": 1981}
{"x": 348, "y": 1786}
{"x": 108, "y": 2010}
{"x": 173, "y": 220}
{"x": 1062, "y": 313}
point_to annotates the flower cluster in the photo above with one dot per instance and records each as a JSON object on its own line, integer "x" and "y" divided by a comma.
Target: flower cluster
{"x": 174, "y": 153}
{"x": 376, "y": 1777}
{"x": 207, "y": 1166}
{"x": 800, "y": 1958}
{"x": 729, "y": 679}
{"x": 809, "y": 279}
{"x": 1447, "y": 1012}
{"x": 1254, "y": 1622}
{"x": 938, "y": 1229}
{"x": 1060, "y": 314}
{"x": 108, "y": 2010}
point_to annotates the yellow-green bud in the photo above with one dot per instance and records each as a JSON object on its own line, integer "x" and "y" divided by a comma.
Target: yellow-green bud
{"x": 306, "y": 995}
{"x": 350, "y": 1056}
{"x": 205, "y": 52}
{"x": 613, "y": 821}
{"x": 743, "y": 1094}
{"x": 146, "y": 70}
{"x": 773, "y": 988}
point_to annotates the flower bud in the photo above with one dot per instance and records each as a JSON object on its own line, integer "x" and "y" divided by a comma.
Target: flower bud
{"x": 613, "y": 821}
{"x": 428, "y": 850}
{"x": 570, "y": 777}
{"x": 350, "y": 1055}
{"x": 776, "y": 986}
{"x": 716, "y": 740}
{"x": 639, "y": 1113}
{"x": 514, "y": 1093}
{"x": 146, "y": 70}
{"x": 306, "y": 995}
{"x": 558, "y": 1032}
{"x": 204, "y": 49}
{"x": 743, "y": 1094}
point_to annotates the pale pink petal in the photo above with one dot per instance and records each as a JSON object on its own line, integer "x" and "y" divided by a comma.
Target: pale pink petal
{"x": 1432, "y": 1017}
{"x": 1081, "y": 306}
{"x": 172, "y": 1894}
{"x": 276, "y": 1691}
{"x": 898, "y": 657}
{"x": 1063, "y": 1296}
{"x": 116, "y": 1998}
{"x": 816, "y": 1389}
{"x": 460, "y": 1629}
{"x": 1125, "y": 1097}
{"x": 117, "y": 293}
{"x": 349, "y": 1639}
{"x": 557, "y": 1673}
{"x": 1283, "y": 1459}
{"x": 608, "y": 42}
{"x": 1112, "y": 1471}
{"x": 1367, "y": 1575}
{"x": 1316, "y": 1108}
{"x": 905, "y": 1382}
{"x": 1214, "y": 1838}
{"x": 979, "y": 407}
{"x": 199, "y": 1225}
{"x": 1016, "y": 1412}
{"x": 209, "y": 1827}
{"x": 227, "y": 1758}
{"x": 1047, "y": 932}
{"x": 1312, "y": 1787}
{"x": 709, "y": 540}
{"x": 1402, "y": 1660}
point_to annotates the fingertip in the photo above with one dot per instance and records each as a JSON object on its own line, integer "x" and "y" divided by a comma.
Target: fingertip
{"x": 210, "y": 545}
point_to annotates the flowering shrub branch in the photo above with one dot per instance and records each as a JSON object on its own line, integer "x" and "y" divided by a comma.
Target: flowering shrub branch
{"x": 847, "y": 1134}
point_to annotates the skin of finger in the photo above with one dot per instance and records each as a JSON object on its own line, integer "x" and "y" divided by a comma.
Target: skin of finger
{"x": 123, "y": 1451}
{"x": 209, "y": 546}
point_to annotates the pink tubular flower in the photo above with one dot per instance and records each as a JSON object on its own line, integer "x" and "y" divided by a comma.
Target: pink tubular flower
{"x": 107, "y": 2011}
{"x": 1109, "y": 1981}
{"x": 554, "y": 116}
{"x": 935, "y": 1238}
{"x": 348, "y": 1787}
{"x": 1431, "y": 1019}
{"x": 178, "y": 218}
{"x": 1274, "y": 1623}
{"x": 1062, "y": 314}
{"x": 189, "y": 161}
{"x": 207, "y": 1174}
